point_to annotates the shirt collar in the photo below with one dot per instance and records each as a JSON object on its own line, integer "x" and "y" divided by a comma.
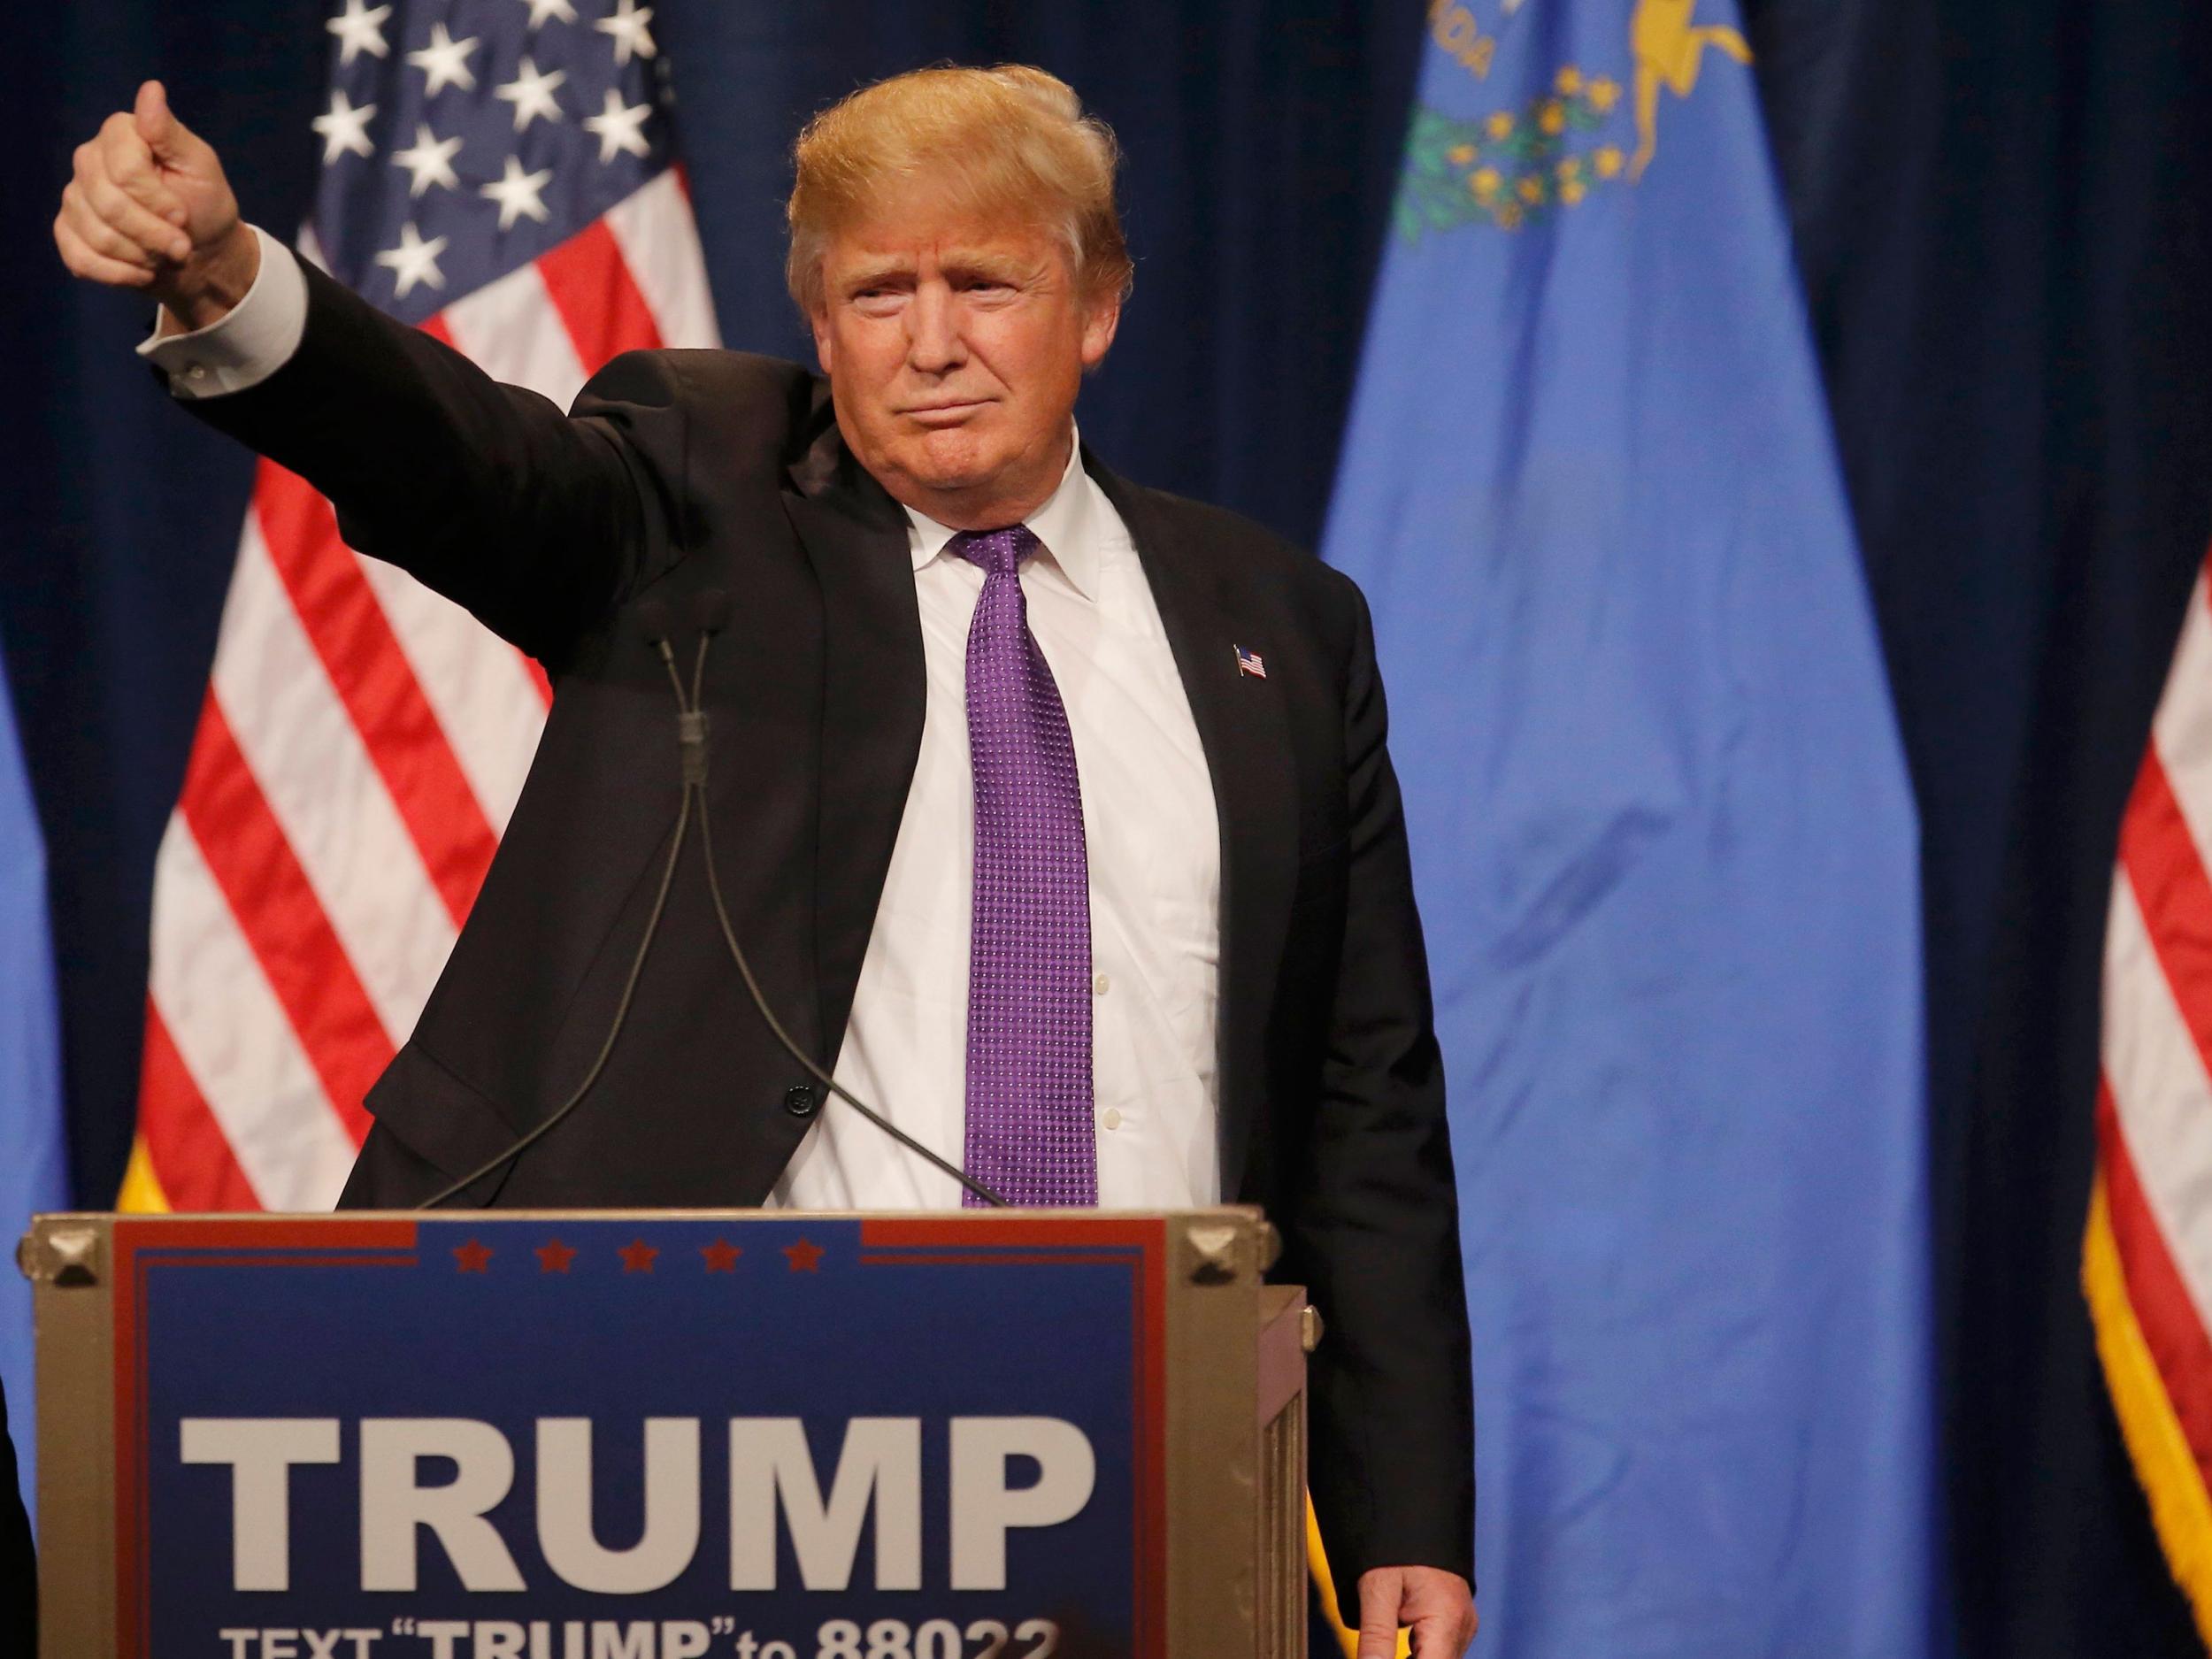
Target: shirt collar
{"x": 1066, "y": 523}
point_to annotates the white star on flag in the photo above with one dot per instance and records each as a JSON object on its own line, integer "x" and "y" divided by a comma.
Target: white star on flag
{"x": 428, "y": 161}
{"x": 620, "y": 130}
{"x": 516, "y": 194}
{"x": 446, "y": 61}
{"x": 540, "y": 10}
{"x": 414, "y": 260}
{"x": 360, "y": 29}
{"x": 628, "y": 25}
{"x": 344, "y": 129}
{"x": 531, "y": 94}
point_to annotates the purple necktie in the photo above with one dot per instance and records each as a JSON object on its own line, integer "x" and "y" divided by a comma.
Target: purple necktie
{"x": 1030, "y": 1138}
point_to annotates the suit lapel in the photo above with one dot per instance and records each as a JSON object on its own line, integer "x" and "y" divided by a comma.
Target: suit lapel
{"x": 1241, "y": 727}
{"x": 873, "y": 695}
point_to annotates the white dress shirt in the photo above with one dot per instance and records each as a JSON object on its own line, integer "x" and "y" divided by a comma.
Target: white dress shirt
{"x": 1149, "y": 827}
{"x": 1154, "y": 849}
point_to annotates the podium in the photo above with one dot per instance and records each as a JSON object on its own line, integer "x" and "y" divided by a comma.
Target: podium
{"x": 661, "y": 1435}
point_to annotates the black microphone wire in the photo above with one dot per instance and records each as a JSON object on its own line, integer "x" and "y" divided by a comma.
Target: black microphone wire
{"x": 695, "y": 779}
{"x": 737, "y": 955}
{"x": 614, "y": 1029}
{"x": 692, "y": 730}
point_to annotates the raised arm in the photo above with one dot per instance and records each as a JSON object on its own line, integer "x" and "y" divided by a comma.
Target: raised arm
{"x": 538, "y": 522}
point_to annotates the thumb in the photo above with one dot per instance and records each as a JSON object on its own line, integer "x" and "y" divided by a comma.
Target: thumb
{"x": 158, "y": 124}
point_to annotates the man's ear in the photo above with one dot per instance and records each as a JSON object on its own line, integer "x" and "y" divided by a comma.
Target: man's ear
{"x": 825, "y": 347}
{"x": 1099, "y": 324}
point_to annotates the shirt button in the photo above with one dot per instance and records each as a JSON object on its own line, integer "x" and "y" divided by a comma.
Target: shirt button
{"x": 197, "y": 371}
{"x": 1113, "y": 1117}
{"x": 1101, "y": 984}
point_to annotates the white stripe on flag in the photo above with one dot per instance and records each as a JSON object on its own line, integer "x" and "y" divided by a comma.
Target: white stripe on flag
{"x": 326, "y": 794}
{"x": 477, "y": 685}
{"x": 660, "y": 243}
{"x": 2160, "y": 1091}
{"x": 2182, "y": 730}
{"x": 234, "y": 1040}
{"x": 512, "y": 330}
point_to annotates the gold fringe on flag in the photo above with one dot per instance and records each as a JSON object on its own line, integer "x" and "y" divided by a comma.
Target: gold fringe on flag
{"x": 1324, "y": 1582}
{"x": 140, "y": 1194}
{"x": 2180, "y": 1508}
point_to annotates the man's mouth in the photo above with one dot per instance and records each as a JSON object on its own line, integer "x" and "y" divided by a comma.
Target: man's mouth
{"x": 949, "y": 412}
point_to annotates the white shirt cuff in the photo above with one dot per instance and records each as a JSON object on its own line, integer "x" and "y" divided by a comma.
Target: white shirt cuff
{"x": 248, "y": 342}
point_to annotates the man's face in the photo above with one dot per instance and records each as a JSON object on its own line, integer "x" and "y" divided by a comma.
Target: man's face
{"x": 955, "y": 349}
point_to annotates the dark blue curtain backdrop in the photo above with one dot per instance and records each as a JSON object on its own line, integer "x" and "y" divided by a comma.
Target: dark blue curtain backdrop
{"x": 2005, "y": 227}
{"x": 2003, "y": 220}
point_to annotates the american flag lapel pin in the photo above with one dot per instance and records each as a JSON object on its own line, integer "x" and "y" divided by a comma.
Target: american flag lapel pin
{"x": 1248, "y": 662}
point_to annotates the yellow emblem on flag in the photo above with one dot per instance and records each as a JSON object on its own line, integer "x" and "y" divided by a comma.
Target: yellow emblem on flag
{"x": 1516, "y": 167}
{"x": 1668, "y": 51}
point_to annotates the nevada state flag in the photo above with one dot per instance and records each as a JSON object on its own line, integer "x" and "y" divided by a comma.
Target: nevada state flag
{"x": 1665, "y": 849}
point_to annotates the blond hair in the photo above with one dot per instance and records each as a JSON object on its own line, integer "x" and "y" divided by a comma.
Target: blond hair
{"x": 1006, "y": 141}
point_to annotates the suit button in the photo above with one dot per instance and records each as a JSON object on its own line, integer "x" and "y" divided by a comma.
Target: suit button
{"x": 800, "y": 1100}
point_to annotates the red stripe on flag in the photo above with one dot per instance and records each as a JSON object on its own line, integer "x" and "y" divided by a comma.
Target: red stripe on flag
{"x": 2172, "y": 1328}
{"x": 191, "y": 1155}
{"x": 2167, "y": 874}
{"x": 282, "y": 920}
{"x": 355, "y": 640}
{"x": 599, "y": 300}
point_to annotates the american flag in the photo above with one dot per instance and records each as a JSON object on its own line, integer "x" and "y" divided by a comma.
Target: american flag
{"x": 2146, "y": 1259}
{"x": 499, "y": 173}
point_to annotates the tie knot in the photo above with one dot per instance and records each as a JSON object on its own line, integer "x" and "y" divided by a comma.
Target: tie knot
{"x": 997, "y": 552}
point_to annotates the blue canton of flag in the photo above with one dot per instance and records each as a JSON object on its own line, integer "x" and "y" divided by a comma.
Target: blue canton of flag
{"x": 1665, "y": 849}
{"x": 461, "y": 142}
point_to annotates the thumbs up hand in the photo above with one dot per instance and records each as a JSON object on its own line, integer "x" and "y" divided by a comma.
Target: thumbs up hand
{"x": 149, "y": 208}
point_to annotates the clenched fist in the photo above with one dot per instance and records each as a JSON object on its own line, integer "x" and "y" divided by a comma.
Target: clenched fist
{"x": 149, "y": 208}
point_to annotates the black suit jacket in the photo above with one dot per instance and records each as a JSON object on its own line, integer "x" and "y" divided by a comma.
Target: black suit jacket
{"x": 680, "y": 470}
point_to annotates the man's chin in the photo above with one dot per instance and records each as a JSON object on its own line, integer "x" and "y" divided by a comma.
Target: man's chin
{"x": 949, "y": 462}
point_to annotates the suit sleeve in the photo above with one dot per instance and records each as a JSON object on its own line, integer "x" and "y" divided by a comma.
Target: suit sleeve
{"x": 1377, "y": 1233}
{"x": 536, "y": 521}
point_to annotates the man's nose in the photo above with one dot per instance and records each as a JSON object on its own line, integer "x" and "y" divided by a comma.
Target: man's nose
{"x": 933, "y": 340}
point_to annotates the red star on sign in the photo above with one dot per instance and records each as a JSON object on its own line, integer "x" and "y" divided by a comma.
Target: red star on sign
{"x": 804, "y": 1258}
{"x": 721, "y": 1256}
{"x": 472, "y": 1257}
{"x": 554, "y": 1256}
{"x": 637, "y": 1257}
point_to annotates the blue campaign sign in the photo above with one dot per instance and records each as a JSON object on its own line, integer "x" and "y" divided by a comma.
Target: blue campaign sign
{"x": 530, "y": 1438}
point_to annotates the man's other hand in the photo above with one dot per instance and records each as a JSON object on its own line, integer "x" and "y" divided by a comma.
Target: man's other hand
{"x": 149, "y": 208}
{"x": 1439, "y": 1606}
